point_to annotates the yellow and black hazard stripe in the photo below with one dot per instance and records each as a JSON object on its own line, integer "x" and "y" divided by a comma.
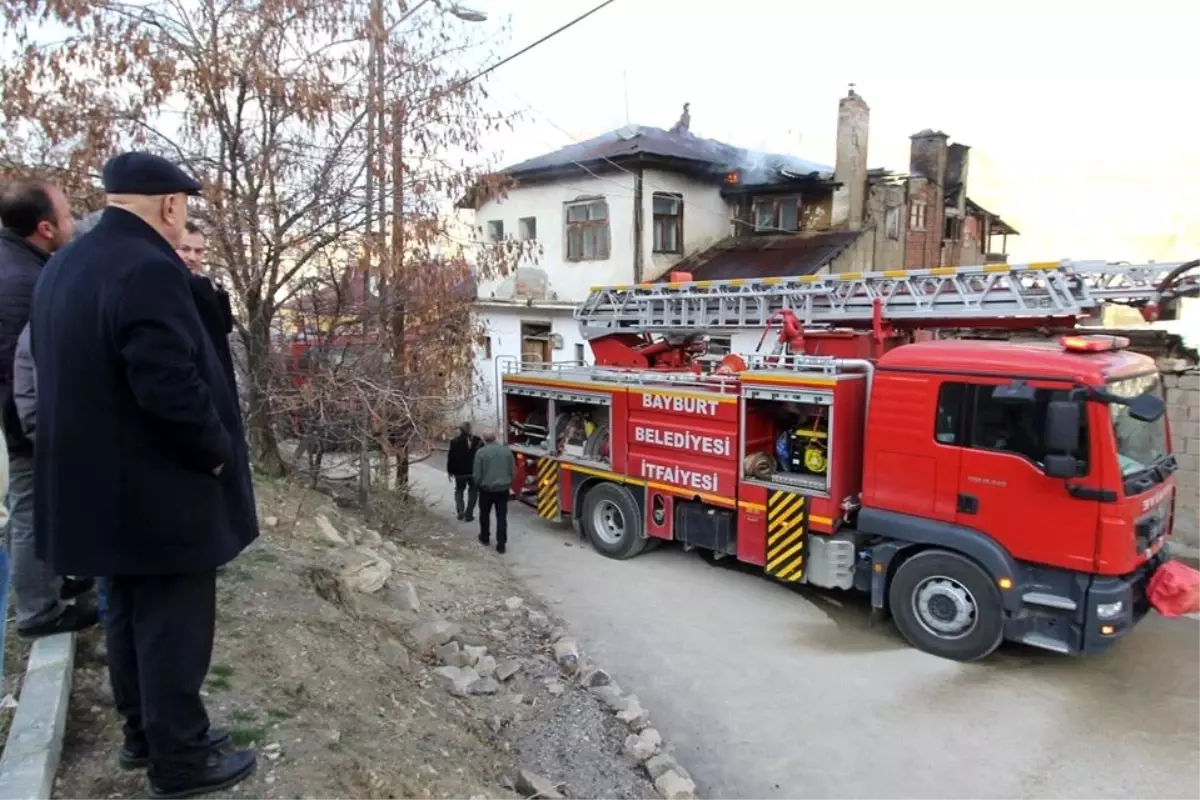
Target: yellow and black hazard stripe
{"x": 547, "y": 488}
{"x": 786, "y": 532}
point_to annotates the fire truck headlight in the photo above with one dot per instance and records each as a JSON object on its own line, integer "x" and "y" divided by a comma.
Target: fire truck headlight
{"x": 1110, "y": 610}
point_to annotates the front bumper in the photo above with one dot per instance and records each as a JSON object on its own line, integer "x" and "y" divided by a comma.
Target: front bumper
{"x": 1130, "y": 590}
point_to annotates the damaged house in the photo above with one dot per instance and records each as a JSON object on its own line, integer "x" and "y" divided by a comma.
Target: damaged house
{"x": 636, "y": 203}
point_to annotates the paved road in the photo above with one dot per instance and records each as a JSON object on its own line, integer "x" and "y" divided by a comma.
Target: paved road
{"x": 769, "y": 691}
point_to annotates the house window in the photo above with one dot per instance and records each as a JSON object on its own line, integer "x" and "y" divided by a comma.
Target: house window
{"x": 495, "y": 229}
{"x": 587, "y": 230}
{"x": 779, "y": 214}
{"x": 916, "y": 216}
{"x": 891, "y": 223}
{"x": 527, "y": 228}
{"x": 668, "y": 223}
{"x": 580, "y": 355}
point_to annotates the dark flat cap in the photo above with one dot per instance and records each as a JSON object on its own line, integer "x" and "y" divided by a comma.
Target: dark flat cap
{"x": 148, "y": 174}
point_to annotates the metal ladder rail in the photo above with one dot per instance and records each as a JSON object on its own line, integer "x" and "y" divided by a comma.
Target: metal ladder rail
{"x": 1038, "y": 291}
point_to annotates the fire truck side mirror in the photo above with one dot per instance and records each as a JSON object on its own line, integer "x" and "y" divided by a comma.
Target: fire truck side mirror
{"x": 1062, "y": 428}
{"x": 1147, "y": 407}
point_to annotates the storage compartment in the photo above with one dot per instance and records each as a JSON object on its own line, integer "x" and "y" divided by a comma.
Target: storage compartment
{"x": 582, "y": 430}
{"x": 527, "y": 424}
{"x": 788, "y": 437}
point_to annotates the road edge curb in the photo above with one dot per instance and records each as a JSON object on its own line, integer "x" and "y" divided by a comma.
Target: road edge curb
{"x": 31, "y": 753}
{"x": 644, "y": 744}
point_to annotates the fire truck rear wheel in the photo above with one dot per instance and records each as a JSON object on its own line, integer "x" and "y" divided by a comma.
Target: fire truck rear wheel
{"x": 946, "y": 604}
{"x": 612, "y": 521}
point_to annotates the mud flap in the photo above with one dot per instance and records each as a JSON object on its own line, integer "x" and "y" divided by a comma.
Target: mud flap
{"x": 547, "y": 488}
{"x": 787, "y": 529}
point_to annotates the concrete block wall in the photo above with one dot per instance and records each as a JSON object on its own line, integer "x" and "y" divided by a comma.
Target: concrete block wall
{"x": 1183, "y": 408}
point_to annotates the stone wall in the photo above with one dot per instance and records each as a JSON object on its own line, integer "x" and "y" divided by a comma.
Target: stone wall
{"x": 1183, "y": 409}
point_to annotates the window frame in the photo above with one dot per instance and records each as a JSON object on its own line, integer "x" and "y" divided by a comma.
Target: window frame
{"x": 578, "y": 228}
{"x": 662, "y": 220}
{"x": 967, "y": 429}
{"x": 495, "y": 231}
{"x": 891, "y": 223}
{"x": 917, "y": 215}
{"x": 776, "y": 226}
{"x": 521, "y": 229}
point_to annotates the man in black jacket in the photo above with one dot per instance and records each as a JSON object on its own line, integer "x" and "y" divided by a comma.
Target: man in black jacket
{"x": 459, "y": 463}
{"x": 37, "y": 222}
{"x": 141, "y": 465}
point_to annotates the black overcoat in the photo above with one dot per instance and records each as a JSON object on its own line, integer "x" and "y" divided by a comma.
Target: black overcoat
{"x": 134, "y": 413}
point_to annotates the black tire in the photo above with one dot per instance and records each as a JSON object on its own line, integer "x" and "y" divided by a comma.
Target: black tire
{"x": 947, "y": 605}
{"x": 622, "y": 537}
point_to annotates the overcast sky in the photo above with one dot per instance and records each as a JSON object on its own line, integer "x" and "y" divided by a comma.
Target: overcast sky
{"x": 1082, "y": 117}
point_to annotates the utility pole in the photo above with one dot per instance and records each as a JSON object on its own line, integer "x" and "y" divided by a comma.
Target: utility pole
{"x": 375, "y": 80}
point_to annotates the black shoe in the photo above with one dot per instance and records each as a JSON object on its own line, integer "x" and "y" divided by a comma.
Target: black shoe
{"x": 74, "y": 618}
{"x": 73, "y": 587}
{"x": 484, "y": 540}
{"x": 138, "y": 756}
{"x": 468, "y": 518}
{"x": 222, "y": 771}
{"x": 500, "y": 549}
{"x": 461, "y": 516}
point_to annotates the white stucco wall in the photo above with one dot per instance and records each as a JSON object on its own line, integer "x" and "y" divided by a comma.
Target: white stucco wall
{"x": 568, "y": 281}
{"x": 503, "y": 328}
{"x": 706, "y": 218}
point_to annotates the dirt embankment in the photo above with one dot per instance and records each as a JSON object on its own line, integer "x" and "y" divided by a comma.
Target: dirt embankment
{"x": 329, "y": 661}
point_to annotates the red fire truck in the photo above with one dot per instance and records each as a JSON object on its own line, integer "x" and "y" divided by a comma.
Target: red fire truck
{"x": 979, "y": 490}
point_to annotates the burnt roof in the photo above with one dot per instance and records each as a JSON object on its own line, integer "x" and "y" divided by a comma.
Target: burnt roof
{"x": 998, "y": 225}
{"x": 633, "y": 141}
{"x": 767, "y": 256}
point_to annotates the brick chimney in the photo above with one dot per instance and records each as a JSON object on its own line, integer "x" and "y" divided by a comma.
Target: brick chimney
{"x": 926, "y": 187}
{"x": 850, "y": 199}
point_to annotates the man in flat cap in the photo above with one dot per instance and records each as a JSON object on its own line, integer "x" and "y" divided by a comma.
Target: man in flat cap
{"x": 142, "y": 473}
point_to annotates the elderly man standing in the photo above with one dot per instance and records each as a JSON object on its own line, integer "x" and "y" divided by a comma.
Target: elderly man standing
{"x": 142, "y": 473}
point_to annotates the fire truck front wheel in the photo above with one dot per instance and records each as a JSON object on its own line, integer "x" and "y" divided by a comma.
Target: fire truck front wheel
{"x": 946, "y": 604}
{"x": 612, "y": 521}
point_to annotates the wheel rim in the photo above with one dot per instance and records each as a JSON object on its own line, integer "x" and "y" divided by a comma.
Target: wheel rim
{"x": 945, "y": 608}
{"x": 608, "y": 522}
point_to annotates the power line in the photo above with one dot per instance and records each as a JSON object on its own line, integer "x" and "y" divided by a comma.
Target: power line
{"x": 529, "y": 47}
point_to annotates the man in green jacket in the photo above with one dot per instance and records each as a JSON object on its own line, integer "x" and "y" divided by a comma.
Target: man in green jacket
{"x": 494, "y": 471}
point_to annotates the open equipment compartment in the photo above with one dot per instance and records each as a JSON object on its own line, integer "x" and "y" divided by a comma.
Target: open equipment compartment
{"x": 527, "y": 413}
{"x": 787, "y": 437}
{"x": 583, "y": 427}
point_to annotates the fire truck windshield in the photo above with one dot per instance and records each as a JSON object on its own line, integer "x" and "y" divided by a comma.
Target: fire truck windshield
{"x": 1140, "y": 444}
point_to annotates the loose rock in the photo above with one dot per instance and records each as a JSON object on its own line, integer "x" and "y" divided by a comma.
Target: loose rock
{"x": 486, "y": 666}
{"x": 456, "y": 680}
{"x": 611, "y": 696}
{"x": 509, "y": 668}
{"x": 566, "y": 653}
{"x": 663, "y": 763}
{"x": 363, "y": 570}
{"x": 395, "y": 655}
{"x": 532, "y": 785}
{"x": 513, "y": 603}
{"x": 452, "y": 655}
{"x": 595, "y": 677}
{"x": 485, "y": 685}
{"x": 270, "y": 522}
{"x": 673, "y": 786}
{"x": 474, "y": 653}
{"x": 429, "y": 635}
{"x": 633, "y": 715}
{"x": 406, "y": 596}
{"x": 371, "y": 538}
{"x": 390, "y": 547}
{"x": 328, "y": 532}
{"x": 641, "y": 746}
{"x": 555, "y": 688}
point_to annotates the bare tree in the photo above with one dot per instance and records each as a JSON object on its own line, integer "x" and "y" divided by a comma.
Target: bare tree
{"x": 273, "y": 104}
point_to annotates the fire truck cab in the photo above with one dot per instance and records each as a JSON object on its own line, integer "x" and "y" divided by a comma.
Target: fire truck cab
{"x": 978, "y": 490}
